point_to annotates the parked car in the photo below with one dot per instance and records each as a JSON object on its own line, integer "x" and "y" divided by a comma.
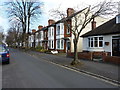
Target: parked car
{"x": 4, "y": 54}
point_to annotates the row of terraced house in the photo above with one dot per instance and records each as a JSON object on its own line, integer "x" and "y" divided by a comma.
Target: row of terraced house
{"x": 57, "y": 37}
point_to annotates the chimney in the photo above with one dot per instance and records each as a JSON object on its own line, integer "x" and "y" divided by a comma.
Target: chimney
{"x": 70, "y": 11}
{"x": 33, "y": 30}
{"x": 40, "y": 27}
{"x": 50, "y": 22}
{"x": 93, "y": 24}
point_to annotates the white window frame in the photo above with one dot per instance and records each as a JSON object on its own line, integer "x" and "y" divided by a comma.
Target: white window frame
{"x": 60, "y": 44}
{"x": 58, "y": 30}
{"x": 57, "y": 44}
{"x": 52, "y": 44}
{"x": 52, "y": 31}
{"x": 93, "y": 37}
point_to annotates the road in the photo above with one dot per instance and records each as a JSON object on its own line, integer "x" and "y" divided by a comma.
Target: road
{"x": 26, "y": 71}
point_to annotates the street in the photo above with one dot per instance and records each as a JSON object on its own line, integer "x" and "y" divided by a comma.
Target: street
{"x": 25, "y": 71}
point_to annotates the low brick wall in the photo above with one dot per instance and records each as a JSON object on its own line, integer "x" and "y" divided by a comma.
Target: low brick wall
{"x": 112, "y": 59}
{"x": 69, "y": 54}
{"x": 85, "y": 55}
{"x": 90, "y": 55}
{"x": 81, "y": 55}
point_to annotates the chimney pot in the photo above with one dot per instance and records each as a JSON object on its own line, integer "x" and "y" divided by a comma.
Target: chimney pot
{"x": 40, "y": 27}
{"x": 70, "y": 11}
{"x": 33, "y": 30}
{"x": 51, "y": 21}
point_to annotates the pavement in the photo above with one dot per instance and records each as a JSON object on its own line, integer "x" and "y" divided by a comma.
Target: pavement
{"x": 103, "y": 70}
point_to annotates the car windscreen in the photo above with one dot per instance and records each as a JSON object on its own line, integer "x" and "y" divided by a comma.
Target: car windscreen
{"x": 2, "y": 48}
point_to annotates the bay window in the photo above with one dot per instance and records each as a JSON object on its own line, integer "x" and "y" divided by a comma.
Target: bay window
{"x": 95, "y": 42}
{"x": 60, "y": 44}
{"x": 52, "y": 46}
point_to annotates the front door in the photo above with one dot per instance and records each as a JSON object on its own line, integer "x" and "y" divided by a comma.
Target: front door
{"x": 67, "y": 46}
{"x": 116, "y": 47}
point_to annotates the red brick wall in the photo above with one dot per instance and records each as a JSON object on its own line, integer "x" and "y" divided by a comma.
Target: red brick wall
{"x": 89, "y": 56}
{"x": 69, "y": 54}
{"x": 85, "y": 55}
{"x": 112, "y": 59}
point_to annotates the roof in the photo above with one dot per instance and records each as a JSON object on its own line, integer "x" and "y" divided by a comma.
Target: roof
{"x": 107, "y": 28}
{"x": 44, "y": 28}
{"x": 62, "y": 20}
{"x": 69, "y": 17}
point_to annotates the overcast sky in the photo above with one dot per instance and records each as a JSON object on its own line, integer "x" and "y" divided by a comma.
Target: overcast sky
{"x": 48, "y": 5}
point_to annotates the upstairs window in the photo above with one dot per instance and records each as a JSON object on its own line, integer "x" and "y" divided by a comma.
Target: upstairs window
{"x": 68, "y": 29}
{"x": 49, "y": 31}
{"x": 58, "y": 30}
{"x": 52, "y": 32}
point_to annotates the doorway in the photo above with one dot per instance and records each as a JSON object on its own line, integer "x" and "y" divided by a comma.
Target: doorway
{"x": 116, "y": 47}
{"x": 67, "y": 46}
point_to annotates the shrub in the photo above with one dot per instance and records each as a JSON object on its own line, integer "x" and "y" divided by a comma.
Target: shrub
{"x": 39, "y": 47}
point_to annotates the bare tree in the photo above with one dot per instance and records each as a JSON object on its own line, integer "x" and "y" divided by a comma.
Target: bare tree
{"x": 14, "y": 34}
{"x": 1, "y": 34}
{"x": 80, "y": 21}
{"x": 24, "y": 11}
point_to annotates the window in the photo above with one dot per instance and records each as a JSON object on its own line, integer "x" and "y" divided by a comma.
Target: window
{"x": 52, "y": 32}
{"x": 58, "y": 44}
{"x": 58, "y": 30}
{"x": 62, "y": 43}
{"x": 100, "y": 41}
{"x": 52, "y": 44}
{"x": 49, "y": 43}
{"x": 68, "y": 29}
{"x": 88, "y": 42}
{"x": 49, "y": 32}
{"x": 91, "y": 42}
{"x": 95, "y": 42}
{"x": 118, "y": 19}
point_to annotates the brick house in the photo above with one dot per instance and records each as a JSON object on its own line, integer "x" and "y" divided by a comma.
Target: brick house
{"x": 51, "y": 35}
{"x": 57, "y": 36}
{"x": 41, "y": 37}
{"x": 31, "y": 39}
{"x": 66, "y": 37}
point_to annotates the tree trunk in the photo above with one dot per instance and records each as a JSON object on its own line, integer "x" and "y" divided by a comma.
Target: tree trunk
{"x": 75, "y": 52}
{"x": 28, "y": 31}
{"x": 75, "y": 61}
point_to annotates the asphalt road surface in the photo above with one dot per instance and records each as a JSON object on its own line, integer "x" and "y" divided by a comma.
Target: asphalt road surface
{"x": 25, "y": 71}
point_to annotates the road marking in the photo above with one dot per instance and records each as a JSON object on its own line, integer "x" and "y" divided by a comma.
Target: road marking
{"x": 76, "y": 70}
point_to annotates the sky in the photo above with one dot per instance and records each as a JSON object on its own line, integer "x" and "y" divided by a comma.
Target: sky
{"x": 49, "y": 5}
